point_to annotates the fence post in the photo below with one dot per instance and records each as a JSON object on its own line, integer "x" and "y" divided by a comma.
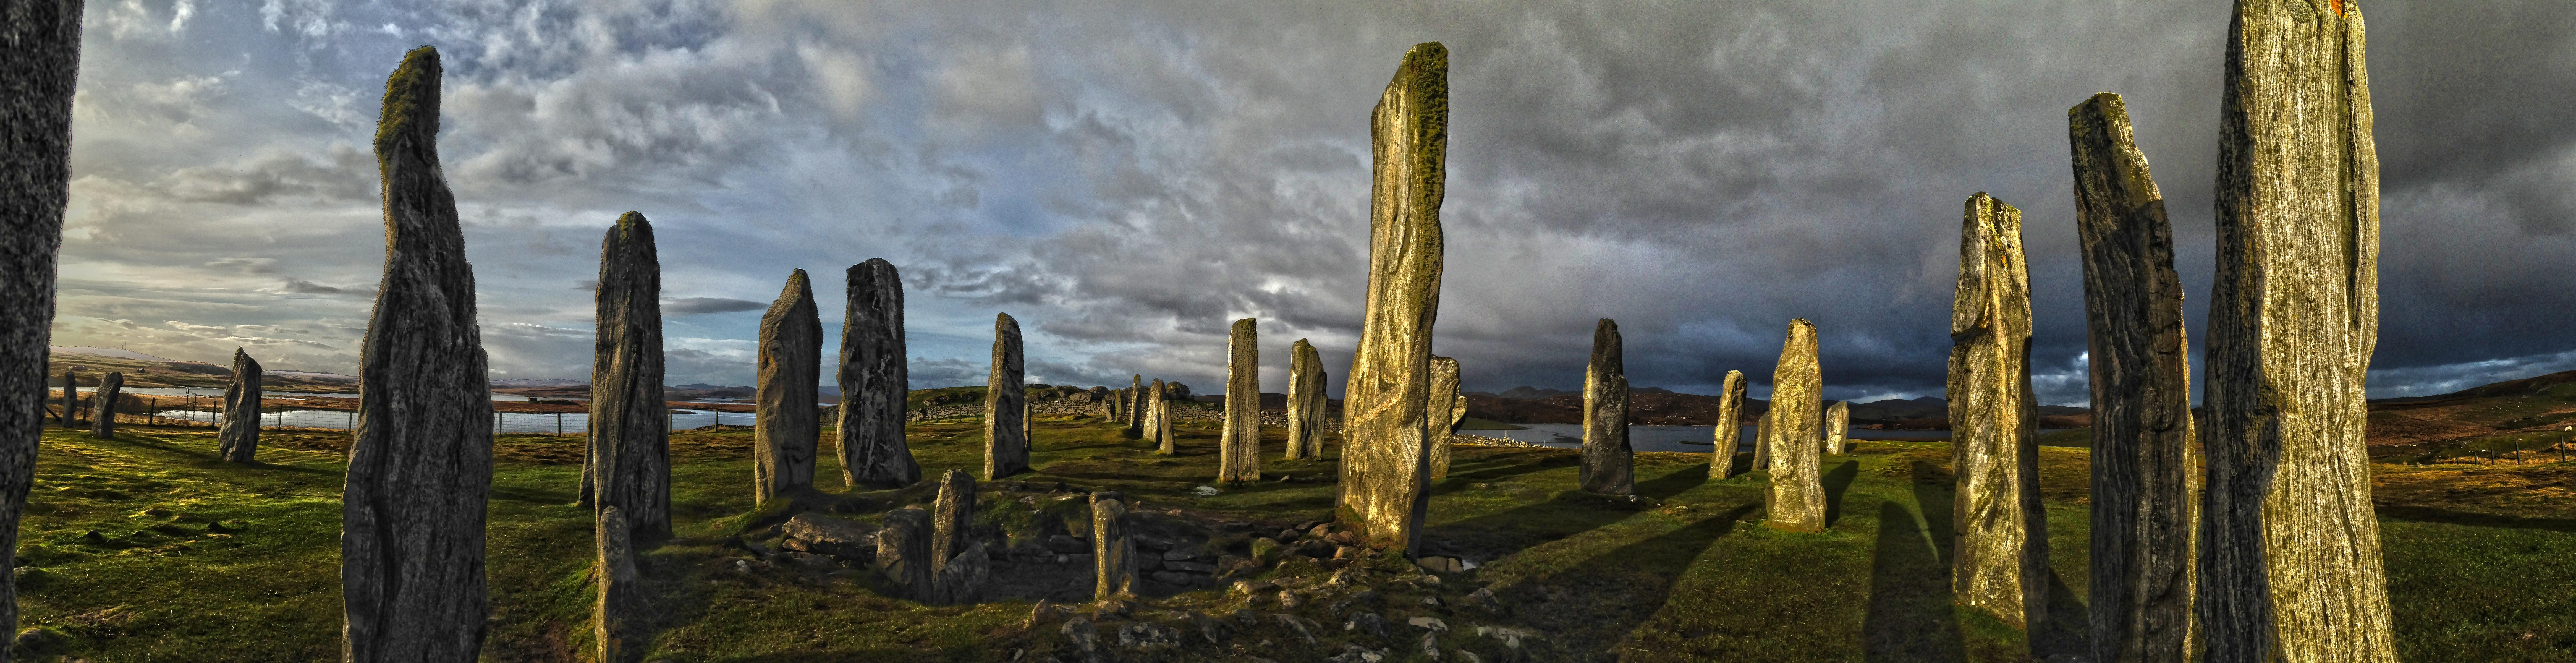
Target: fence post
{"x": 558, "y": 423}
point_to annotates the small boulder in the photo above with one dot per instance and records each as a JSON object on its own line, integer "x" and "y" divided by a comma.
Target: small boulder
{"x": 1441, "y": 564}
{"x": 1432, "y": 623}
{"x": 1045, "y": 611}
{"x": 1366, "y": 622}
{"x": 825, "y": 535}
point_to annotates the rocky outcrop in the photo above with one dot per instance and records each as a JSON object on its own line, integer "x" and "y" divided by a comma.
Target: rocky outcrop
{"x": 1609, "y": 461}
{"x": 1306, "y": 402}
{"x": 1796, "y": 499}
{"x": 2146, "y": 492}
{"x": 874, "y": 380}
{"x": 238, "y": 440}
{"x": 1239, "y": 450}
{"x": 43, "y": 46}
{"x": 2290, "y": 564}
{"x": 413, "y": 503}
{"x": 102, "y": 417}
{"x": 1386, "y": 471}
{"x": 1113, "y": 552}
{"x": 1729, "y": 432}
{"x": 2000, "y": 564}
{"x": 1837, "y": 427}
{"x": 1006, "y": 443}
{"x": 790, "y": 427}
{"x": 1444, "y": 421}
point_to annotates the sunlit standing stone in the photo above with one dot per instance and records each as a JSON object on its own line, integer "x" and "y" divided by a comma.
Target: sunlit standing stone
{"x": 2000, "y": 564}
{"x": 1385, "y": 467}
{"x": 1306, "y": 402}
{"x": 1730, "y": 427}
{"x": 1444, "y": 420}
{"x": 1239, "y": 451}
{"x": 1796, "y": 499}
{"x": 1609, "y": 462}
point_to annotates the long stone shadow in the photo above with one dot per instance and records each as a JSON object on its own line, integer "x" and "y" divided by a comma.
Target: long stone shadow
{"x": 1606, "y": 597}
{"x": 2068, "y": 633}
{"x": 1836, "y": 482}
{"x": 2449, "y": 517}
{"x": 1568, "y": 513}
{"x": 1910, "y": 615}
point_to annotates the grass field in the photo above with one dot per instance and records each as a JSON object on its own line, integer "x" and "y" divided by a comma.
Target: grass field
{"x": 144, "y": 548}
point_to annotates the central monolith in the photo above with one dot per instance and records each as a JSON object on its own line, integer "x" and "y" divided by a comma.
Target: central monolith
{"x": 1239, "y": 451}
{"x": 414, "y": 501}
{"x": 102, "y": 417}
{"x": 629, "y": 464}
{"x": 790, "y": 426}
{"x": 874, "y": 380}
{"x": 1443, "y": 409}
{"x": 2000, "y": 564}
{"x": 1006, "y": 442}
{"x": 1609, "y": 463}
{"x": 2290, "y": 565}
{"x": 238, "y": 440}
{"x": 1306, "y": 402}
{"x": 1837, "y": 427}
{"x": 1730, "y": 427}
{"x": 2145, "y": 494}
{"x": 1796, "y": 500}
{"x": 1385, "y": 469}
{"x": 42, "y": 40}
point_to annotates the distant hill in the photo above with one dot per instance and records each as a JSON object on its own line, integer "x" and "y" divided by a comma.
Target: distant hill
{"x": 1664, "y": 407}
{"x": 540, "y": 382}
{"x": 157, "y": 373}
{"x": 120, "y": 353}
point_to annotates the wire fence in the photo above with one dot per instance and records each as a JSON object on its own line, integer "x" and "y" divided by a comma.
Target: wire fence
{"x": 207, "y": 411}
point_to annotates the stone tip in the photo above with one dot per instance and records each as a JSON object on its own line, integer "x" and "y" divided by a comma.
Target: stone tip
{"x": 2105, "y": 103}
{"x": 410, "y": 108}
{"x": 1245, "y": 325}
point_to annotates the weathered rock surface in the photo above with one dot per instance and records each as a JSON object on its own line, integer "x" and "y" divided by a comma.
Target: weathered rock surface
{"x": 963, "y": 577}
{"x": 826, "y": 535}
{"x": 1837, "y": 427}
{"x": 1161, "y": 429}
{"x": 2145, "y": 502}
{"x": 420, "y": 468}
{"x": 1796, "y": 500}
{"x": 43, "y": 47}
{"x": 1113, "y": 552}
{"x": 874, "y": 380}
{"x": 1444, "y": 420}
{"x": 2290, "y": 565}
{"x": 1609, "y": 463}
{"x": 2000, "y": 564}
{"x": 1239, "y": 450}
{"x": 629, "y": 462}
{"x": 238, "y": 440}
{"x": 71, "y": 398}
{"x": 102, "y": 418}
{"x": 952, "y": 528}
{"x": 1136, "y": 414}
{"x": 617, "y": 616}
{"x": 1762, "y": 441}
{"x": 1306, "y": 403}
{"x": 1386, "y": 471}
{"x": 1730, "y": 427}
{"x": 790, "y": 427}
{"x": 903, "y": 551}
{"x": 1006, "y": 442}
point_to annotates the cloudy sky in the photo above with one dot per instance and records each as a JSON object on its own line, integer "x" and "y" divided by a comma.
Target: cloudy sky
{"x": 1126, "y": 178}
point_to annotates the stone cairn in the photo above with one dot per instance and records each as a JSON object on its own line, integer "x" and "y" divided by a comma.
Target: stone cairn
{"x": 2291, "y": 567}
{"x": 629, "y": 465}
{"x": 2000, "y": 564}
{"x": 1160, "y": 428}
{"x": 2145, "y": 509}
{"x": 1730, "y": 427}
{"x": 617, "y": 617}
{"x": 238, "y": 439}
{"x": 903, "y": 551}
{"x": 874, "y": 380}
{"x": 959, "y": 564}
{"x": 1444, "y": 421}
{"x": 1608, "y": 459}
{"x": 1113, "y": 551}
{"x": 1796, "y": 500}
{"x": 1385, "y": 418}
{"x": 1006, "y": 442}
{"x": 1306, "y": 402}
{"x": 1838, "y": 427}
{"x": 414, "y": 503}
{"x": 43, "y": 40}
{"x": 102, "y": 416}
{"x": 71, "y": 397}
{"x": 789, "y": 428}
{"x": 1239, "y": 451}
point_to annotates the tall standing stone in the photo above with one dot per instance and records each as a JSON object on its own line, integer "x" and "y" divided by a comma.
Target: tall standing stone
{"x": 413, "y": 505}
{"x": 238, "y": 439}
{"x": 2290, "y": 566}
{"x": 1132, "y": 421}
{"x": 1113, "y": 552}
{"x": 1239, "y": 451}
{"x": 1837, "y": 427}
{"x": 874, "y": 380}
{"x": 1796, "y": 500}
{"x": 39, "y": 58}
{"x": 1445, "y": 410}
{"x": 2000, "y": 564}
{"x": 630, "y": 459}
{"x": 71, "y": 397}
{"x": 952, "y": 532}
{"x": 2145, "y": 498}
{"x": 790, "y": 427}
{"x": 1306, "y": 402}
{"x": 1006, "y": 442}
{"x": 1385, "y": 419}
{"x": 1161, "y": 430}
{"x": 617, "y": 618}
{"x": 1762, "y": 441}
{"x": 1609, "y": 463}
{"x": 1730, "y": 426}
{"x": 102, "y": 417}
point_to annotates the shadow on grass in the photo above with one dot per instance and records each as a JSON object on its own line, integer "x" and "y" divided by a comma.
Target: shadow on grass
{"x": 2067, "y": 635}
{"x": 2449, "y": 517}
{"x": 1836, "y": 482}
{"x": 1568, "y": 513}
{"x": 1910, "y": 617}
{"x": 1616, "y": 591}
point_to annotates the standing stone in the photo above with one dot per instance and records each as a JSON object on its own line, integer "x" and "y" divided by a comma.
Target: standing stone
{"x": 1006, "y": 442}
{"x": 1161, "y": 430}
{"x": 1385, "y": 468}
{"x": 238, "y": 439}
{"x": 630, "y": 457}
{"x": 71, "y": 396}
{"x": 952, "y": 531}
{"x": 1762, "y": 441}
{"x": 2145, "y": 502}
{"x": 874, "y": 380}
{"x": 1730, "y": 427}
{"x": 2290, "y": 564}
{"x": 1837, "y": 427}
{"x": 1306, "y": 402}
{"x": 1796, "y": 500}
{"x": 102, "y": 417}
{"x": 903, "y": 551}
{"x": 1444, "y": 393}
{"x": 39, "y": 58}
{"x": 618, "y": 616}
{"x": 2000, "y": 564}
{"x": 1239, "y": 451}
{"x": 413, "y": 504}
{"x": 790, "y": 427}
{"x": 1134, "y": 417}
{"x": 1608, "y": 460}
{"x": 1113, "y": 552}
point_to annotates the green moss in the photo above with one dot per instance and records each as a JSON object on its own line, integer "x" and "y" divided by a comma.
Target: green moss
{"x": 411, "y": 86}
